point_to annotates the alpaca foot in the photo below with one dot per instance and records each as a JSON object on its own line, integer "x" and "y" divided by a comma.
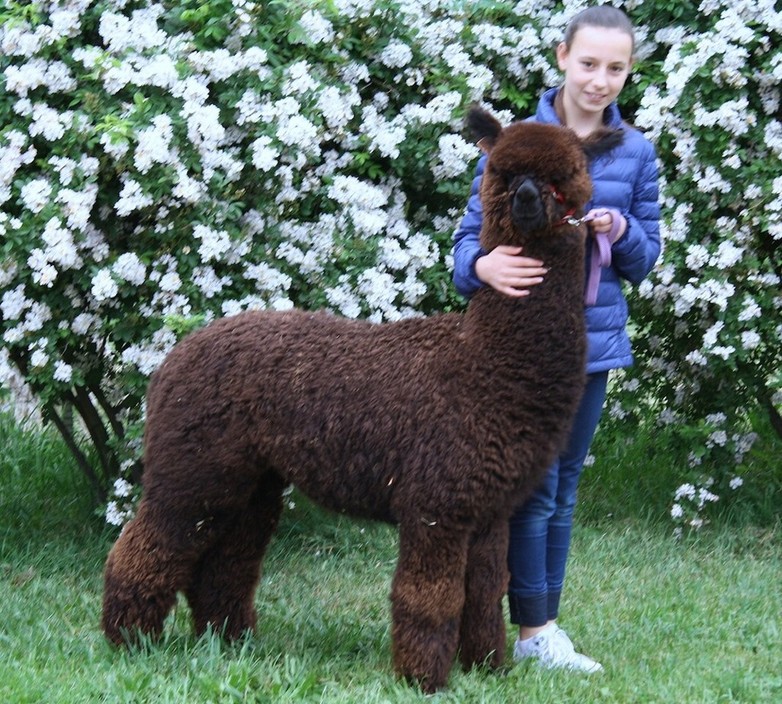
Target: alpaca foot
{"x": 127, "y": 618}
{"x": 490, "y": 659}
{"x": 140, "y": 586}
{"x": 424, "y": 656}
{"x": 229, "y": 624}
{"x": 482, "y": 638}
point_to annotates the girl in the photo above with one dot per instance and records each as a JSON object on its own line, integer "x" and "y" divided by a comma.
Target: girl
{"x": 595, "y": 57}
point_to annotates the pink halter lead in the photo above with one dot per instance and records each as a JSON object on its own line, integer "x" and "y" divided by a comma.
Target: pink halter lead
{"x": 601, "y": 243}
{"x": 601, "y": 252}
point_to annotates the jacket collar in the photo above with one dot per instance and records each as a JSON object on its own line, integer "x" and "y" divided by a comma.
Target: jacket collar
{"x": 547, "y": 113}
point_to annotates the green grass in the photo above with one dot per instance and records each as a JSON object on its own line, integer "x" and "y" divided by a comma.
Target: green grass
{"x": 696, "y": 620}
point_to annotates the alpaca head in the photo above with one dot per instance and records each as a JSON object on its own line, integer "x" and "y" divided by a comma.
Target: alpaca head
{"x": 536, "y": 177}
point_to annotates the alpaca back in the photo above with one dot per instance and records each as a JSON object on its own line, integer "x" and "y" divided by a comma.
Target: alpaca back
{"x": 308, "y": 394}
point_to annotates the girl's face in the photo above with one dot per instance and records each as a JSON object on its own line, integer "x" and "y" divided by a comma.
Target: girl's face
{"x": 596, "y": 67}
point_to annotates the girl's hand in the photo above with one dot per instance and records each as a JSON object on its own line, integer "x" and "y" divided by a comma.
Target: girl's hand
{"x": 601, "y": 220}
{"x": 507, "y": 272}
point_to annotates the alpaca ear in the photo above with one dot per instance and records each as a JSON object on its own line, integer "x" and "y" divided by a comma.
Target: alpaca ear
{"x": 485, "y": 128}
{"x": 602, "y": 141}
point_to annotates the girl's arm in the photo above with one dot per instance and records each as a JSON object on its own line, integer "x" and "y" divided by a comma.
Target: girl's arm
{"x": 635, "y": 253}
{"x": 466, "y": 245}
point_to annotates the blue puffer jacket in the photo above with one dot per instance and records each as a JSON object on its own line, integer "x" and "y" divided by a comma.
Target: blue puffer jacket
{"x": 625, "y": 179}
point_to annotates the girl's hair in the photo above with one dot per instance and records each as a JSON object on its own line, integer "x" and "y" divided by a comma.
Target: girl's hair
{"x": 600, "y": 16}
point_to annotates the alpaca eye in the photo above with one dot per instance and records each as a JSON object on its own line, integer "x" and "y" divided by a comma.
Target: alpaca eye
{"x": 509, "y": 178}
{"x": 500, "y": 174}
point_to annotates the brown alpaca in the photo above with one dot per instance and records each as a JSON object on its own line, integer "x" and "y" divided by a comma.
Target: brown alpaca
{"x": 440, "y": 425}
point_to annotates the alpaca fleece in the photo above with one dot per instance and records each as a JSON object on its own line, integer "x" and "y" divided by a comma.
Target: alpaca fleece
{"x": 439, "y": 425}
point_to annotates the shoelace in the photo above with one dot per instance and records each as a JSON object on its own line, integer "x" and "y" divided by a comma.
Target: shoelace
{"x": 557, "y": 647}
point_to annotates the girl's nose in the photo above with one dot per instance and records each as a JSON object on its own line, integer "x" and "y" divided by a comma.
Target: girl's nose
{"x": 599, "y": 77}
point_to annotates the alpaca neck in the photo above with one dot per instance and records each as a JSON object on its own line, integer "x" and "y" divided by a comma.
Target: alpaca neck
{"x": 552, "y": 311}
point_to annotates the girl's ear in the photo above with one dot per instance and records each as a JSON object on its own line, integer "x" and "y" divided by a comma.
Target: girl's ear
{"x": 562, "y": 54}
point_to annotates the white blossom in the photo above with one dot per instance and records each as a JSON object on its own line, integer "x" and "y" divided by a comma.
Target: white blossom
{"x": 122, "y": 488}
{"x": 685, "y": 491}
{"x": 736, "y": 482}
{"x": 154, "y": 144}
{"x": 396, "y": 54}
{"x": 61, "y": 249}
{"x": 36, "y": 193}
{"x": 129, "y": 267}
{"x": 131, "y": 197}
{"x": 337, "y": 107}
{"x": 103, "y": 286}
{"x": 148, "y": 356}
{"x": 14, "y": 303}
{"x": 214, "y": 243}
{"x": 297, "y": 130}
{"x": 77, "y": 205}
{"x": 170, "y": 282}
{"x": 264, "y": 156}
{"x": 62, "y": 371}
{"x": 209, "y": 283}
{"x": 38, "y": 359}
{"x": 139, "y": 31}
{"x": 750, "y": 309}
{"x": 316, "y": 27}
{"x": 116, "y": 516}
{"x": 455, "y": 156}
{"x": 750, "y": 339}
{"x": 298, "y": 79}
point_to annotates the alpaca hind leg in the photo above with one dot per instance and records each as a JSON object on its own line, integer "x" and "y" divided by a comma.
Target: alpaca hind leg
{"x": 427, "y": 597}
{"x": 144, "y": 570}
{"x": 223, "y": 583}
{"x": 482, "y": 635}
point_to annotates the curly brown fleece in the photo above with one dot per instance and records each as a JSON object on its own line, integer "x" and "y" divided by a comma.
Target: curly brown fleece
{"x": 440, "y": 425}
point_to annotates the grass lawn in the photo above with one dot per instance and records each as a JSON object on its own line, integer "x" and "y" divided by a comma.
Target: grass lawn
{"x": 696, "y": 620}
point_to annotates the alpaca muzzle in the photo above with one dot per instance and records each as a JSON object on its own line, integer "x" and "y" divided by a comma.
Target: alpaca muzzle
{"x": 527, "y": 209}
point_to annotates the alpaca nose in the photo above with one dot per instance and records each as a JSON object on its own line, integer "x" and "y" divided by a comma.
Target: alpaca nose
{"x": 527, "y": 209}
{"x": 526, "y": 194}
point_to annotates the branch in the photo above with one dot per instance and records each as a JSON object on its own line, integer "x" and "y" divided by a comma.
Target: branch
{"x": 81, "y": 459}
{"x": 773, "y": 414}
{"x": 97, "y": 430}
{"x": 108, "y": 409}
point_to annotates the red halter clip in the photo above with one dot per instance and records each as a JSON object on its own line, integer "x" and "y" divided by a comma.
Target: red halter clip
{"x": 569, "y": 218}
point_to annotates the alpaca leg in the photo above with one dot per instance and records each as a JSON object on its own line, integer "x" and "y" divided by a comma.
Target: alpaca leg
{"x": 482, "y": 636}
{"x": 427, "y": 597}
{"x": 144, "y": 570}
{"x": 223, "y": 584}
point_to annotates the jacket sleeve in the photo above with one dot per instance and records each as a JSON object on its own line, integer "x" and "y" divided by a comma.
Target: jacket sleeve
{"x": 635, "y": 253}
{"x": 466, "y": 242}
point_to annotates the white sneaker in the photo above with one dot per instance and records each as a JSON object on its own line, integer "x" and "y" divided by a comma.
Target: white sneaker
{"x": 552, "y": 648}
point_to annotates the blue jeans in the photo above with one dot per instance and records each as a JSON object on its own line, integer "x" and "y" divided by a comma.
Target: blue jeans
{"x": 540, "y": 529}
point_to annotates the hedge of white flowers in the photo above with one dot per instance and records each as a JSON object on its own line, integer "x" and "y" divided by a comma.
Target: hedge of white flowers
{"x": 165, "y": 163}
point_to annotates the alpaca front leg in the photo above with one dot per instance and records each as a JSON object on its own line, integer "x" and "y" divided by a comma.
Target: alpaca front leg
{"x": 427, "y": 597}
{"x": 482, "y": 636}
{"x": 141, "y": 579}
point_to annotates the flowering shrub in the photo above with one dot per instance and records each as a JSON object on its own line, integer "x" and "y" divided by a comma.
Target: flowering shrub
{"x": 164, "y": 163}
{"x": 709, "y": 330}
